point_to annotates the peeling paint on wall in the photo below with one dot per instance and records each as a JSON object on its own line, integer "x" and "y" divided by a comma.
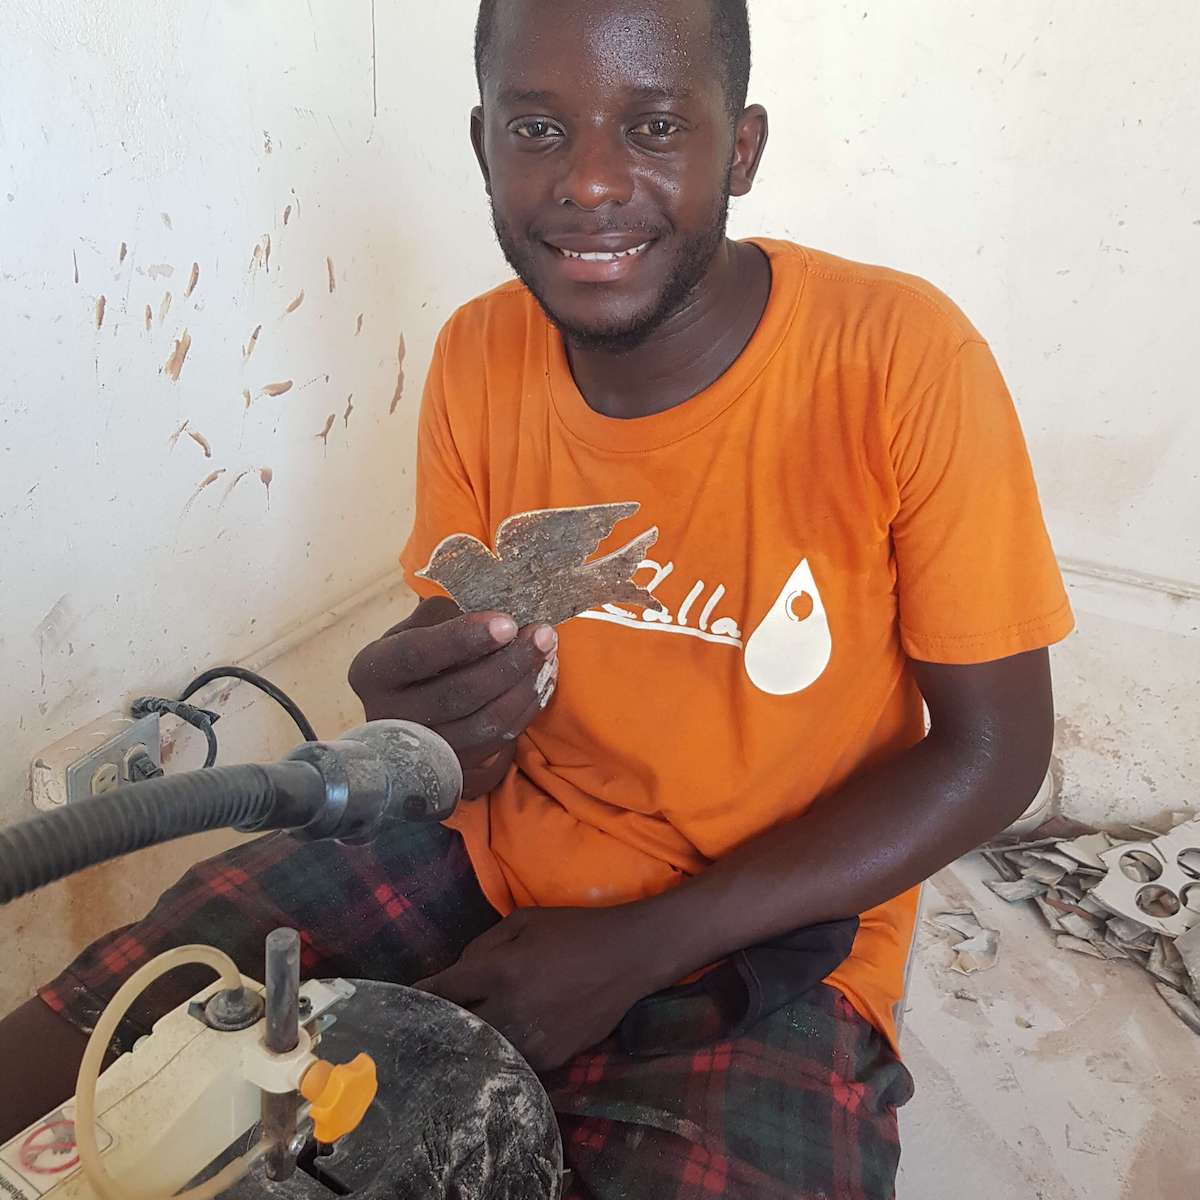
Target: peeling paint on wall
{"x": 233, "y": 484}
{"x": 398, "y": 395}
{"x": 174, "y": 364}
{"x": 324, "y": 434}
{"x": 201, "y": 487}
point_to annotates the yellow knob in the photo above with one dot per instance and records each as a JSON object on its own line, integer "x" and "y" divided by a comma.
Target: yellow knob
{"x": 340, "y": 1096}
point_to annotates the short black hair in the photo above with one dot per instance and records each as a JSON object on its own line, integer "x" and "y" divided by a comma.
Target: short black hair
{"x": 730, "y": 38}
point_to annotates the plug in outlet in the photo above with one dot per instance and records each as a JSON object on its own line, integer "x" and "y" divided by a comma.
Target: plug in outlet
{"x": 92, "y": 760}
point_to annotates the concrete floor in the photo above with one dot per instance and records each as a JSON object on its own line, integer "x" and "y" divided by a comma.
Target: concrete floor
{"x": 1052, "y": 1076}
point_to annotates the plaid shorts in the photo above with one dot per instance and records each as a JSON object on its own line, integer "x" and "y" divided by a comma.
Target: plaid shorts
{"x": 802, "y": 1105}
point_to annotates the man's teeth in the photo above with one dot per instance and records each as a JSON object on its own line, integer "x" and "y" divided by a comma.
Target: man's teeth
{"x": 603, "y": 257}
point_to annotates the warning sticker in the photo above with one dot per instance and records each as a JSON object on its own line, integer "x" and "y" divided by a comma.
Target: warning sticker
{"x": 39, "y": 1159}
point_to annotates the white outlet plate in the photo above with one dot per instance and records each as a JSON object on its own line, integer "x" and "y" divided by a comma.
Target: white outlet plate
{"x": 63, "y": 773}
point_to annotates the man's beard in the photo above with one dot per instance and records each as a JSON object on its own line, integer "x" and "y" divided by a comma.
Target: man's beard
{"x": 694, "y": 257}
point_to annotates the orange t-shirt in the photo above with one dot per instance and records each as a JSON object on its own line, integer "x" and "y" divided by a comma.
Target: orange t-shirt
{"x": 855, "y": 489}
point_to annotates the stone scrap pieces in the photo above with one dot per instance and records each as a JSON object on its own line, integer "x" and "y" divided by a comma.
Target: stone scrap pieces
{"x": 976, "y": 947}
{"x": 1087, "y": 849}
{"x": 1133, "y": 896}
{"x": 1020, "y": 889}
{"x": 539, "y": 572}
{"x": 1153, "y": 881}
{"x": 1188, "y": 948}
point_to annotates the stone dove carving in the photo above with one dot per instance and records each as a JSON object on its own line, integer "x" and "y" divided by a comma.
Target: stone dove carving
{"x": 539, "y": 573}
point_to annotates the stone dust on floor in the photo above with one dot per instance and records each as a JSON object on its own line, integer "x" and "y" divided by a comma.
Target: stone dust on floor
{"x": 1052, "y": 1076}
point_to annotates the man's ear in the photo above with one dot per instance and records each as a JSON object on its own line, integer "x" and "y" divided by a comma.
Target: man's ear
{"x": 477, "y": 145}
{"x": 750, "y": 140}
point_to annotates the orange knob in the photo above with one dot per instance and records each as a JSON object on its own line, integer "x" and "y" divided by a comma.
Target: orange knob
{"x": 340, "y": 1096}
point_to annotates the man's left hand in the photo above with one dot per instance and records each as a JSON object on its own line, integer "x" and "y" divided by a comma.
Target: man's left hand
{"x": 554, "y": 981}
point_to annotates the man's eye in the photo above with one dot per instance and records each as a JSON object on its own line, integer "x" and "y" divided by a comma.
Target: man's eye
{"x": 659, "y": 127}
{"x": 536, "y": 130}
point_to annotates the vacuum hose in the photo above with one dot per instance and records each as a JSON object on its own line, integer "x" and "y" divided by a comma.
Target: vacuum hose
{"x": 346, "y": 790}
{"x": 59, "y": 843}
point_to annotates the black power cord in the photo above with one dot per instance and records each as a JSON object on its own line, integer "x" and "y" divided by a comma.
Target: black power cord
{"x": 197, "y": 718}
{"x": 277, "y": 694}
{"x": 203, "y": 719}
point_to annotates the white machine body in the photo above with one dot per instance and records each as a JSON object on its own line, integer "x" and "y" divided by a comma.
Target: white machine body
{"x": 170, "y": 1108}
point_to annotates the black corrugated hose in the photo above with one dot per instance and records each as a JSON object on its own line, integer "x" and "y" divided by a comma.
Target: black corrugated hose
{"x": 59, "y": 843}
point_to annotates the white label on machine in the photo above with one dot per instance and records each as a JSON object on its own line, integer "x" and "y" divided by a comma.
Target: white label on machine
{"x": 38, "y": 1160}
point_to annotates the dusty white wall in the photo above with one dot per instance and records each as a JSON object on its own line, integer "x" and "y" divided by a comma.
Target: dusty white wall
{"x": 1034, "y": 160}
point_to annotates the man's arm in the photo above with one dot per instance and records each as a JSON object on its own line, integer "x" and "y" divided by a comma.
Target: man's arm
{"x": 558, "y": 981}
{"x": 991, "y": 732}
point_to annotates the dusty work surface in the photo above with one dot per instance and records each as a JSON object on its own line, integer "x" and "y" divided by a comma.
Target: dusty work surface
{"x": 1052, "y": 1076}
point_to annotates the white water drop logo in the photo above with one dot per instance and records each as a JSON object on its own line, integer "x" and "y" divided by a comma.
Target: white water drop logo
{"x": 790, "y": 650}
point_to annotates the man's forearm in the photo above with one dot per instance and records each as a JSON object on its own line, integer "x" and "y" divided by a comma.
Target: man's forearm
{"x": 876, "y": 838}
{"x": 881, "y": 834}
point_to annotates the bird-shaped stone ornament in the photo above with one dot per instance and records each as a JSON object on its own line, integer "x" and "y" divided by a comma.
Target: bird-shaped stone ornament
{"x": 539, "y": 572}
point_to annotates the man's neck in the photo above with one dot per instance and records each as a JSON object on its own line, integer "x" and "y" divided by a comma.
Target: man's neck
{"x": 690, "y": 351}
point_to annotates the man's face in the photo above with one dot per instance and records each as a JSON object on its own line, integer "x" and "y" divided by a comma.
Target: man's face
{"x": 607, "y": 141}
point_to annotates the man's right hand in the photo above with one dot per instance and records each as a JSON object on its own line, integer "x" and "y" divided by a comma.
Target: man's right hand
{"x": 474, "y": 679}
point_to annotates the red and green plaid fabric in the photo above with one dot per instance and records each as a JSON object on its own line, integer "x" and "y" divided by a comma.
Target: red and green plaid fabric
{"x": 803, "y": 1106}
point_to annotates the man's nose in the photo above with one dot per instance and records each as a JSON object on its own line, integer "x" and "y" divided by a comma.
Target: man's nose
{"x": 597, "y": 171}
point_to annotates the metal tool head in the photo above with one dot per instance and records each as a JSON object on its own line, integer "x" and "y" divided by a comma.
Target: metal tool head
{"x": 425, "y": 777}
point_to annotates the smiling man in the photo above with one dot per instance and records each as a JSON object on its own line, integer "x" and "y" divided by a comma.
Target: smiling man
{"x": 682, "y": 880}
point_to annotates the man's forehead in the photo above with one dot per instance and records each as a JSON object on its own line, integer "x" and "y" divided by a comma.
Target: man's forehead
{"x": 645, "y": 45}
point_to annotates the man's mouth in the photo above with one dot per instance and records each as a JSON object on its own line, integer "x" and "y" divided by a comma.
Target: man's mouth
{"x": 605, "y": 258}
{"x": 602, "y": 256}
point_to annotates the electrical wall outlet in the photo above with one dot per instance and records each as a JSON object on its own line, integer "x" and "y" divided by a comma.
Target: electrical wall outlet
{"x": 92, "y": 760}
